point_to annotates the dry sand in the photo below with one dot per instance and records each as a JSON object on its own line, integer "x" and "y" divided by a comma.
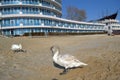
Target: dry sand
{"x": 100, "y": 52}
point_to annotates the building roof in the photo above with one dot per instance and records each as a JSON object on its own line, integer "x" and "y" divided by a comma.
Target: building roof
{"x": 112, "y": 16}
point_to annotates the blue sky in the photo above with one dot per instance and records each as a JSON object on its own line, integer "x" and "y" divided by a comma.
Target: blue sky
{"x": 94, "y": 8}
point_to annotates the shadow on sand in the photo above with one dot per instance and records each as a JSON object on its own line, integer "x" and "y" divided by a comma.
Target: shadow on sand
{"x": 58, "y": 66}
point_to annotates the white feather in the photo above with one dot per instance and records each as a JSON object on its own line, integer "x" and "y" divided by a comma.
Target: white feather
{"x": 67, "y": 61}
{"x": 16, "y": 47}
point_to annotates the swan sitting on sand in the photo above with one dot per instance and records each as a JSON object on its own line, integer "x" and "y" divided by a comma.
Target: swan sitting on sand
{"x": 16, "y": 47}
{"x": 66, "y": 61}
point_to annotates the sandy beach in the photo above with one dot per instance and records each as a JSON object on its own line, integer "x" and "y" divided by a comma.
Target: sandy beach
{"x": 100, "y": 52}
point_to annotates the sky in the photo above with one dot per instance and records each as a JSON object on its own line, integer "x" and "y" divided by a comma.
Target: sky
{"x": 95, "y": 9}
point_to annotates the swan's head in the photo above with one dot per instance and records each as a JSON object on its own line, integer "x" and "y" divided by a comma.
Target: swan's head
{"x": 54, "y": 49}
{"x": 20, "y": 46}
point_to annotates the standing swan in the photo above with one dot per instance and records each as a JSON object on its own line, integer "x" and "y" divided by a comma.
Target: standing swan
{"x": 66, "y": 61}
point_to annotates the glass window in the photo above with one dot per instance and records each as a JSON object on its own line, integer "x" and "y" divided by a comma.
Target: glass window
{"x": 12, "y": 22}
{"x": 31, "y": 21}
{"x": 17, "y": 22}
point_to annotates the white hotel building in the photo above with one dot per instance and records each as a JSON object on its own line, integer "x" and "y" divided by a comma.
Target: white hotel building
{"x": 18, "y": 17}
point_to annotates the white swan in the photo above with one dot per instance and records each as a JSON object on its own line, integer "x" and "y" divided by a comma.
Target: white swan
{"x": 66, "y": 61}
{"x": 16, "y": 47}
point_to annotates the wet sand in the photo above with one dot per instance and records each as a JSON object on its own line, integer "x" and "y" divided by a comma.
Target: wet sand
{"x": 100, "y": 52}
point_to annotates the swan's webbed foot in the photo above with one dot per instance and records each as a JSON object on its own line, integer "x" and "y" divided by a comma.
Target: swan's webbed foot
{"x": 64, "y": 72}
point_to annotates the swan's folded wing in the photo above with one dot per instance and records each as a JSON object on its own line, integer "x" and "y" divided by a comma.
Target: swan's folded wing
{"x": 67, "y": 58}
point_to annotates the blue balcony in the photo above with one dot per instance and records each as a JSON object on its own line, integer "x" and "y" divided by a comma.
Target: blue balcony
{"x": 4, "y": 2}
{"x": 27, "y": 10}
{"x": 30, "y": 2}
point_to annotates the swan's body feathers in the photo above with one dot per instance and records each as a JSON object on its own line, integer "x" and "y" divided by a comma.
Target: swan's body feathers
{"x": 69, "y": 61}
{"x": 17, "y": 48}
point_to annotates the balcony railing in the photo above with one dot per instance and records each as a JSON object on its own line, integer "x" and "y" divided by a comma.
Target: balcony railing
{"x": 24, "y": 12}
{"x": 40, "y": 4}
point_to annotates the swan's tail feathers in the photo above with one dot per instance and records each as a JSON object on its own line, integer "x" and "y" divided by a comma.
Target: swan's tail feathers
{"x": 83, "y": 64}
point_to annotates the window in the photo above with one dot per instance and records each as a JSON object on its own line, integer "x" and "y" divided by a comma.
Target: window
{"x": 31, "y": 21}
{"x": 12, "y": 22}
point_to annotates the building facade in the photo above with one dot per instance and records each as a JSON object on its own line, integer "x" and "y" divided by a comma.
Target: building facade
{"x": 112, "y": 26}
{"x": 18, "y": 17}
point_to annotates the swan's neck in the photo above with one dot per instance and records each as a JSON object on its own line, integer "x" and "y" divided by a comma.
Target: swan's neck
{"x": 56, "y": 54}
{"x": 20, "y": 46}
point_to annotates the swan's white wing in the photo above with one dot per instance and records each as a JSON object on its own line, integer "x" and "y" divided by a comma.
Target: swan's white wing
{"x": 14, "y": 47}
{"x": 67, "y": 58}
{"x": 70, "y": 61}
